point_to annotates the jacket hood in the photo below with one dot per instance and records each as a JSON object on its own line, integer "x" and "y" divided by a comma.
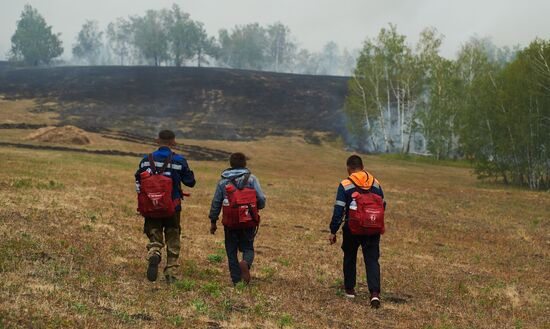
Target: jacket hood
{"x": 233, "y": 173}
{"x": 362, "y": 180}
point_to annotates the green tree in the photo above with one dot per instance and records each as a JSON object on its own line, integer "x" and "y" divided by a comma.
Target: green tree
{"x": 520, "y": 118}
{"x": 33, "y": 40}
{"x": 441, "y": 84}
{"x": 280, "y": 47}
{"x": 150, "y": 36}
{"x": 244, "y": 47}
{"x": 439, "y": 116}
{"x": 205, "y": 46}
{"x": 188, "y": 38}
{"x": 89, "y": 43}
{"x": 119, "y": 37}
{"x": 506, "y": 116}
{"x": 386, "y": 88}
{"x": 182, "y": 35}
{"x": 480, "y": 139}
{"x": 536, "y": 104}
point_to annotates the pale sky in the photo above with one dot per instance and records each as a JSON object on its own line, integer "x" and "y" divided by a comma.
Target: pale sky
{"x": 312, "y": 22}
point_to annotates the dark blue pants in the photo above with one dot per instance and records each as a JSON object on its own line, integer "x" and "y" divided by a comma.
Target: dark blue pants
{"x": 370, "y": 246}
{"x": 235, "y": 240}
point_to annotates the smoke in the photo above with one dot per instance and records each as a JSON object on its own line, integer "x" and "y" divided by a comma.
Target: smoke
{"x": 508, "y": 22}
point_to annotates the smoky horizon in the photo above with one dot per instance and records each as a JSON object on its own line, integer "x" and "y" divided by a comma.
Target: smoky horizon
{"x": 312, "y": 23}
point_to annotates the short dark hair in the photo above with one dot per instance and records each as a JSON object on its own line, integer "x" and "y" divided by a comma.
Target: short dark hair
{"x": 237, "y": 160}
{"x": 167, "y": 135}
{"x": 354, "y": 162}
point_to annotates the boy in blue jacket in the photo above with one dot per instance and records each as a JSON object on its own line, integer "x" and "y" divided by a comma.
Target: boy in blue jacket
{"x": 237, "y": 238}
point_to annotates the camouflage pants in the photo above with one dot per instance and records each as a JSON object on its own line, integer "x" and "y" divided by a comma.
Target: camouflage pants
{"x": 159, "y": 230}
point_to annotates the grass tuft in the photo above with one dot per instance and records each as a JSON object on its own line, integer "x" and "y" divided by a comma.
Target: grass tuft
{"x": 215, "y": 258}
{"x": 185, "y": 284}
{"x": 199, "y": 305}
{"x": 211, "y": 288}
{"x": 268, "y": 272}
{"x": 285, "y": 320}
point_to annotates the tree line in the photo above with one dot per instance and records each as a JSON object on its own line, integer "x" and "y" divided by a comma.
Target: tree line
{"x": 169, "y": 37}
{"x": 490, "y": 105}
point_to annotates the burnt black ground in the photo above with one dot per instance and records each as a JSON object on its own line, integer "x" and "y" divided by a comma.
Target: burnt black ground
{"x": 192, "y": 152}
{"x": 202, "y": 103}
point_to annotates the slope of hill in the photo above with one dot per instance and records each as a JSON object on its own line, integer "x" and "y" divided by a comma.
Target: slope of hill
{"x": 205, "y": 103}
{"x": 456, "y": 254}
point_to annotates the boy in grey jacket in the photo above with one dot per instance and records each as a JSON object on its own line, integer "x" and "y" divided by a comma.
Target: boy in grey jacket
{"x": 237, "y": 238}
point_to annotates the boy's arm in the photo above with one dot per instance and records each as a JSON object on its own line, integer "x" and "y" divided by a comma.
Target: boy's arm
{"x": 260, "y": 196}
{"x": 339, "y": 210}
{"x": 216, "y": 206}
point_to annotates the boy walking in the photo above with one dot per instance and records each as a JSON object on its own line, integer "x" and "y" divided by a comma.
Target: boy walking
{"x": 360, "y": 201}
{"x": 240, "y": 196}
{"x": 158, "y": 183}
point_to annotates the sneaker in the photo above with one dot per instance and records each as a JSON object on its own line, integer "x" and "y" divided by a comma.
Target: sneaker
{"x": 350, "y": 293}
{"x": 245, "y": 271}
{"x": 153, "y": 268}
{"x": 375, "y": 300}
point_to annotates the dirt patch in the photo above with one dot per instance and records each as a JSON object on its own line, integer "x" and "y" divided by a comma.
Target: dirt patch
{"x": 13, "y": 111}
{"x": 60, "y": 135}
{"x": 512, "y": 294}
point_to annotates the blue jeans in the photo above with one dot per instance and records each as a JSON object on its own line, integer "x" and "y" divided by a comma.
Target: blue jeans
{"x": 370, "y": 245}
{"x": 235, "y": 240}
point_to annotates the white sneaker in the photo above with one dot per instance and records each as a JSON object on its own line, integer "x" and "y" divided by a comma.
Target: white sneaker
{"x": 350, "y": 293}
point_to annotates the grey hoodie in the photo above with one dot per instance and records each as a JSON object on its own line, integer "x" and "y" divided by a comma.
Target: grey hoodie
{"x": 238, "y": 175}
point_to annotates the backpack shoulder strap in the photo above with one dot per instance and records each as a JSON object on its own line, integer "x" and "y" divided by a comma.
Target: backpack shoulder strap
{"x": 152, "y": 163}
{"x": 245, "y": 181}
{"x": 167, "y": 161}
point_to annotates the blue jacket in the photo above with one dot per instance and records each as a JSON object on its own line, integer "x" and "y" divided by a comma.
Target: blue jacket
{"x": 238, "y": 175}
{"x": 362, "y": 180}
{"x": 178, "y": 170}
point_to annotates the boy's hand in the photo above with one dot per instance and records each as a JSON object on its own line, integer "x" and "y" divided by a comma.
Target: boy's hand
{"x": 332, "y": 238}
{"x": 213, "y": 228}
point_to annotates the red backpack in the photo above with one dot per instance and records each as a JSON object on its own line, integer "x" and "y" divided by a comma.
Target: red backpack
{"x": 366, "y": 216}
{"x": 155, "y": 196}
{"x": 239, "y": 206}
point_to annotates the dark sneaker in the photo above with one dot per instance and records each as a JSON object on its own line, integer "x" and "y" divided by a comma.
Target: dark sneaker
{"x": 153, "y": 268}
{"x": 349, "y": 293}
{"x": 245, "y": 271}
{"x": 375, "y": 300}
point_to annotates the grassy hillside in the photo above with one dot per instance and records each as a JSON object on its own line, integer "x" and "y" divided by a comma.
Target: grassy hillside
{"x": 457, "y": 254}
{"x": 202, "y": 103}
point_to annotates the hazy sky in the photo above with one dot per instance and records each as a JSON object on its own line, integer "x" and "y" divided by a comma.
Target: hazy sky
{"x": 313, "y": 22}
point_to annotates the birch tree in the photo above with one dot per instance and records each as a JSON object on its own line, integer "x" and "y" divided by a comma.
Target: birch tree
{"x": 388, "y": 83}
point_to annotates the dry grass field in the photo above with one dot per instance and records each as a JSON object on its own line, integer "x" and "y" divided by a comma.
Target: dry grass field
{"x": 457, "y": 253}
